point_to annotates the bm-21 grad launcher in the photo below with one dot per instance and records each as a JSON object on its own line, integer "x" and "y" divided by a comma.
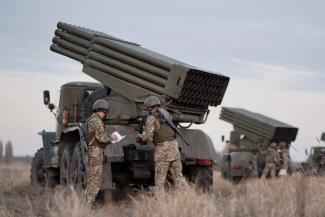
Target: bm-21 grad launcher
{"x": 252, "y": 135}
{"x": 315, "y": 163}
{"x": 128, "y": 73}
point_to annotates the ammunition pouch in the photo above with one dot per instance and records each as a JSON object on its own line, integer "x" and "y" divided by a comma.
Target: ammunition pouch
{"x": 165, "y": 133}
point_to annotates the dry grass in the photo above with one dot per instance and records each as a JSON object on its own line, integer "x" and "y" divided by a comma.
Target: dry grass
{"x": 289, "y": 196}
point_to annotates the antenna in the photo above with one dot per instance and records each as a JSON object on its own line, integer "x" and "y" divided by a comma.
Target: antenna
{"x": 318, "y": 140}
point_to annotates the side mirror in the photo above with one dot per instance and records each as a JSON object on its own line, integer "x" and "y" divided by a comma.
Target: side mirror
{"x": 46, "y": 97}
{"x": 222, "y": 138}
{"x": 51, "y": 106}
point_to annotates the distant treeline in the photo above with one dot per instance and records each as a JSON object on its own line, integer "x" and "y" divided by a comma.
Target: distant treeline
{"x": 25, "y": 159}
{"x": 6, "y": 152}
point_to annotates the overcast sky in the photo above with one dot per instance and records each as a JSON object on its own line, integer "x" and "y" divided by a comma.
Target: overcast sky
{"x": 273, "y": 51}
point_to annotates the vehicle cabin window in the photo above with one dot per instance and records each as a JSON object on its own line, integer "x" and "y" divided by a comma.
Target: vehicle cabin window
{"x": 88, "y": 93}
{"x": 322, "y": 150}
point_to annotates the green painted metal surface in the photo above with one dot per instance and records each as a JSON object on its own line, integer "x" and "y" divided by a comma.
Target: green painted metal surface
{"x": 258, "y": 126}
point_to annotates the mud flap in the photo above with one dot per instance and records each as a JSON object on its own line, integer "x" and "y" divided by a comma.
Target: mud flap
{"x": 51, "y": 156}
{"x": 107, "y": 181}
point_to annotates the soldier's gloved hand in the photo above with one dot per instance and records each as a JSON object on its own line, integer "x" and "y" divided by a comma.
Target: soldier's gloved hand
{"x": 113, "y": 137}
{"x": 140, "y": 138}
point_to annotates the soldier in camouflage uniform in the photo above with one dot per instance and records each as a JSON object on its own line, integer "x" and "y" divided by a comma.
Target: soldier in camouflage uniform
{"x": 167, "y": 155}
{"x": 272, "y": 159}
{"x": 97, "y": 139}
{"x": 321, "y": 164}
{"x": 284, "y": 156}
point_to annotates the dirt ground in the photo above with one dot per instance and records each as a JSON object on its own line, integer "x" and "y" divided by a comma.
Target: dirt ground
{"x": 288, "y": 196}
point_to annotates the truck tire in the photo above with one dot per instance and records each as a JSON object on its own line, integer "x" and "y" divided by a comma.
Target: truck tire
{"x": 237, "y": 179}
{"x": 78, "y": 177}
{"x": 78, "y": 169}
{"x": 38, "y": 174}
{"x": 202, "y": 177}
{"x": 99, "y": 93}
{"x": 65, "y": 165}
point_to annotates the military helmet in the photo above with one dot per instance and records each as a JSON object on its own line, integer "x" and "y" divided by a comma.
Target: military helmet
{"x": 100, "y": 104}
{"x": 151, "y": 101}
{"x": 282, "y": 144}
{"x": 273, "y": 145}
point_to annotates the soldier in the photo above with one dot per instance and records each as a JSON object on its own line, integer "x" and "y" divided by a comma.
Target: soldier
{"x": 97, "y": 140}
{"x": 251, "y": 171}
{"x": 285, "y": 157}
{"x": 167, "y": 155}
{"x": 272, "y": 159}
{"x": 321, "y": 164}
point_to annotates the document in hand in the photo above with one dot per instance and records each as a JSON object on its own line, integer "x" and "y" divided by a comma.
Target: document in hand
{"x": 118, "y": 137}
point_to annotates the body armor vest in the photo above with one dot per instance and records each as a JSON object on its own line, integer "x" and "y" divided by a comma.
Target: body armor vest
{"x": 165, "y": 133}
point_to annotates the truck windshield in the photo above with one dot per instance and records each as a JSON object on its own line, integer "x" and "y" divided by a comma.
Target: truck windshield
{"x": 87, "y": 93}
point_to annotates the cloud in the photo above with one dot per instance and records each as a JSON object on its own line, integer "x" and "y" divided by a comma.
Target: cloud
{"x": 279, "y": 76}
{"x": 23, "y": 114}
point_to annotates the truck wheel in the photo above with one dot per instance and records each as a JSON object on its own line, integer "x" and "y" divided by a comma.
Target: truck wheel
{"x": 203, "y": 177}
{"x": 38, "y": 171}
{"x": 237, "y": 179}
{"x": 78, "y": 170}
{"x": 105, "y": 196}
{"x": 65, "y": 165}
{"x": 38, "y": 174}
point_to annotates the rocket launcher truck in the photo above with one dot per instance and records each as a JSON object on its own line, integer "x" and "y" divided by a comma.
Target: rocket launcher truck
{"x": 315, "y": 162}
{"x": 127, "y": 73}
{"x": 251, "y": 136}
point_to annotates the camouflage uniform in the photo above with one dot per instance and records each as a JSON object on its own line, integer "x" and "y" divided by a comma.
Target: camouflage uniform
{"x": 272, "y": 158}
{"x": 322, "y": 160}
{"x": 321, "y": 165}
{"x": 285, "y": 158}
{"x": 97, "y": 139}
{"x": 167, "y": 155}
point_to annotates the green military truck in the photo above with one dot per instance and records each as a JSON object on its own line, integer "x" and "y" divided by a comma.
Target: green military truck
{"x": 127, "y": 74}
{"x": 252, "y": 135}
{"x": 315, "y": 163}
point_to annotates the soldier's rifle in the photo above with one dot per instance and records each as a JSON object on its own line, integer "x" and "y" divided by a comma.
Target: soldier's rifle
{"x": 171, "y": 124}
{"x": 141, "y": 124}
{"x": 317, "y": 140}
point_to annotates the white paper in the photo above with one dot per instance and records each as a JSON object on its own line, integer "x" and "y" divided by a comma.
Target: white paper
{"x": 283, "y": 172}
{"x": 118, "y": 137}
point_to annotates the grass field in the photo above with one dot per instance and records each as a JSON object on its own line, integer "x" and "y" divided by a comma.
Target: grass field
{"x": 289, "y": 196}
